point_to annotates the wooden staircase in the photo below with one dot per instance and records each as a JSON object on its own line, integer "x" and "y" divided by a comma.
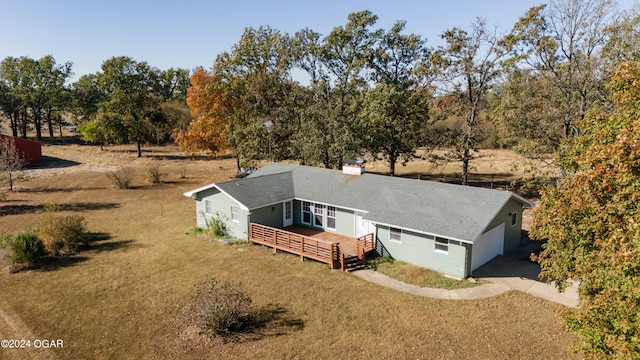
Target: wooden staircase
{"x": 353, "y": 263}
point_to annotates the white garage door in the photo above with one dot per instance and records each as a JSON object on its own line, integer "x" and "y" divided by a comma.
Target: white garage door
{"x": 487, "y": 246}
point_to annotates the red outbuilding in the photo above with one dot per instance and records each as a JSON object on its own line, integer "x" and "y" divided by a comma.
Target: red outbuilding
{"x": 31, "y": 150}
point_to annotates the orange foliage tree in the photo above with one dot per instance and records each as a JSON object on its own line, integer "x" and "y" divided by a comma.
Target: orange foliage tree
{"x": 208, "y": 104}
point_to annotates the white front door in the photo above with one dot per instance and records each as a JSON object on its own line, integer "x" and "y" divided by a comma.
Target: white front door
{"x": 363, "y": 227}
{"x": 287, "y": 210}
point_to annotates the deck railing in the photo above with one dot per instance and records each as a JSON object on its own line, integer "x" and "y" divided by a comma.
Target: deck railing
{"x": 306, "y": 247}
{"x": 364, "y": 245}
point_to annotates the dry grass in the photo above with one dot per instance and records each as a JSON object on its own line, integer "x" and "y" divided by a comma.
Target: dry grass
{"x": 124, "y": 295}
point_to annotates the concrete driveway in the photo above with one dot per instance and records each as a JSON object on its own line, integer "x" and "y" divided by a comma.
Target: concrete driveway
{"x": 515, "y": 271}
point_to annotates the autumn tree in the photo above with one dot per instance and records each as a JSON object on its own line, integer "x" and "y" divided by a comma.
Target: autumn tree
{"x": 623, "y": 40}
{"x": 591, "y": 225}
{"x": 559, "y": 47}
{"x": 209, "y": 105}
{"x": 465, "y": 69}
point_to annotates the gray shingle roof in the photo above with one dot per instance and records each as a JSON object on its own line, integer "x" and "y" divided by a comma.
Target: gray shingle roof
{"x": 454, "y": 211}
{"x": 256, "y": 192}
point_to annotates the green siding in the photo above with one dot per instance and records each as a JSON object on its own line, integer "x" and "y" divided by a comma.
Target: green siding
{"x": 418, "y": 249}
{"x": 222, "y": 206}
{"x": 270, "y": 215}
{"x": 345, "y": 220}
{"x": 512, "y": 234}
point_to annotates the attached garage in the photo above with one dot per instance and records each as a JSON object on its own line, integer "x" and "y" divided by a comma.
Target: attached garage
{"x": 487, "y": 246}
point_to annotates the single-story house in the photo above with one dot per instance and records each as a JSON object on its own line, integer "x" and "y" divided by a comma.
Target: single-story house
{"x": 449, "y": 228}
{"x": 31, "y": 150}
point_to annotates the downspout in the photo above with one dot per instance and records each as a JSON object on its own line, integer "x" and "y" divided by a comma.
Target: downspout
{"x": 249, "y": 227}
{"x": 467, "y": 264}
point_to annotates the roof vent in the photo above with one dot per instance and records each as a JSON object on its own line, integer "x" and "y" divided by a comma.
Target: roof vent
{"x": 352, "y": 167}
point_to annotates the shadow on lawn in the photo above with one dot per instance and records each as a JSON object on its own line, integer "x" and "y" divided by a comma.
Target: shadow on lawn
{"x": 49, "y": 162}
{"x": 269, "y": 321}
{"x": 86, "y": 206}
{"x": 95, "y": 242}
{"x": 54, "y": 190}
{"x": 99, "y": 242}
{"x": 19, "y": 209}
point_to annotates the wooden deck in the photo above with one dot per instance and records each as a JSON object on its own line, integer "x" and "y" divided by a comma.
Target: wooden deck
{"x": 347, "y": 244}
{"x": 330, "y": 248}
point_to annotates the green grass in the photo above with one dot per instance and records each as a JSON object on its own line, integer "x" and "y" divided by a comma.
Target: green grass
{"x": 416, "y": 275}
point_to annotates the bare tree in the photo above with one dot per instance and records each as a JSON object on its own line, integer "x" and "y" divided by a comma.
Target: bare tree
{"x": 557, "y": 48}
{"x": 11, "y": 159}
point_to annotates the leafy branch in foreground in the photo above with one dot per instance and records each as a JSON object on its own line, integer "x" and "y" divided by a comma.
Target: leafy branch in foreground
{"x": 591, "y": 223}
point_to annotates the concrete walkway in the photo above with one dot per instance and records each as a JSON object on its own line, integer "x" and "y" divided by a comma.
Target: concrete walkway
{"x": 477, "y": 292}
{"x": 506, "y": 272}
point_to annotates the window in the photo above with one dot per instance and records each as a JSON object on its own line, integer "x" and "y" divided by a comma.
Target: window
{"x": 395, "y": 234}
{"x": 306, "y": 212}
{"x": 235, "y": 214}
{"x": 318, "y": 210}
{"x": 514, "y": 218}
{"x": 208, "y": 207}
{"x": 441, "y": 245}
{"x": 331, "y": 217}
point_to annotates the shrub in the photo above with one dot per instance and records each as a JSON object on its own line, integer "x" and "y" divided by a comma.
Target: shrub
{"x": 61, "y": 235}
{"x": 195, "y": 231}
{"x": 153, "y": 175}
{"x": 121, "y": 178}
{"x": 220, "y": 308}
{"x": 217, "y": 225}
{"x": 26, "y": 248}
{"x": 6, "y": 261}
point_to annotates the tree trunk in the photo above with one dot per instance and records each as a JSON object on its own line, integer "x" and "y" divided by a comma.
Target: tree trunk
{"x": 465, "y": 166}
{"x": 139, "y": 149}
{"x": 38, "y": 124}
{"x": 14, "y": 124}
{"x": 392, "y": 165}
{"x": 24, "y": 124}
{"x": 50, "y": 124}
{"x": 10, "y": 181}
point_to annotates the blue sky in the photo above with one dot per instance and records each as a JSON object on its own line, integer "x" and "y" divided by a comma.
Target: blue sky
{"x": 190, "y": 33}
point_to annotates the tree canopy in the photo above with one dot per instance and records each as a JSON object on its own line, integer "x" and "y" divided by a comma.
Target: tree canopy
{"x": 591, "y": 225}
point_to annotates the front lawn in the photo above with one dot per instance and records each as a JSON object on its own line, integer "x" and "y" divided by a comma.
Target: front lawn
{"x": 125, "y": 295}
{"x": 416, "y": 275}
